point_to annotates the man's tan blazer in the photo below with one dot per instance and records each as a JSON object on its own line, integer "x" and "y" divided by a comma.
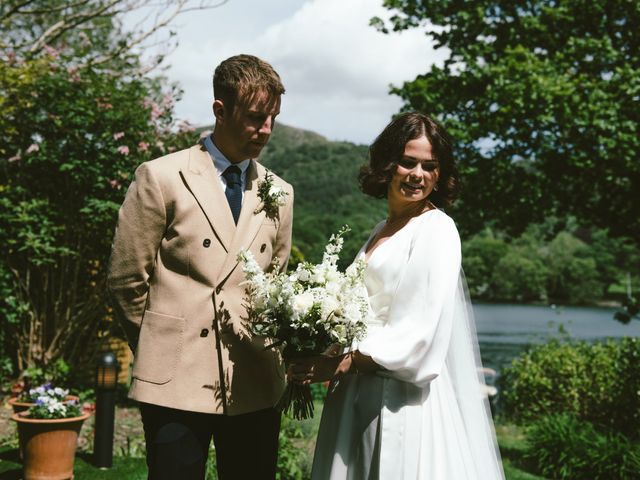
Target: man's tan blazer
{"x": 176, "y": 285}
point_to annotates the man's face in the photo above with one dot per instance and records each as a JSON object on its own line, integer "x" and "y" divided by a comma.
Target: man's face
{"x": 243, "y": 132}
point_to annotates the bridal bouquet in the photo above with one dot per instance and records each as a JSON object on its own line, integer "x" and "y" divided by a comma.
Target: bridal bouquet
{"x": 314, "y": 310}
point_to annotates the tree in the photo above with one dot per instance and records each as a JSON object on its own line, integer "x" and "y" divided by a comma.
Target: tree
{"x": 33, "y": 27}
{"x": 480, "y": 255}
{"x": 542, "y": 98}
{"x": 573, "y": 274}
{"x": 73, "y": 132}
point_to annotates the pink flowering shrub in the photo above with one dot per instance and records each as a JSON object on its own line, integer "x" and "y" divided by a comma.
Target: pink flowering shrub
{"x": 70, "y": 144}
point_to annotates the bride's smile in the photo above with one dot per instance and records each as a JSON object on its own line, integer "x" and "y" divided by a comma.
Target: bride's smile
{"x": 416, "y": 173}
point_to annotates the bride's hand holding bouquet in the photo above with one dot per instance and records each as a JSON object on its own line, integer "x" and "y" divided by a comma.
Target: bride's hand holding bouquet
{"x": 315, "y": 310}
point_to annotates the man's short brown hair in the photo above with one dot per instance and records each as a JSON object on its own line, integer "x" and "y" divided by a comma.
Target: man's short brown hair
{"x": 244, "y": 74}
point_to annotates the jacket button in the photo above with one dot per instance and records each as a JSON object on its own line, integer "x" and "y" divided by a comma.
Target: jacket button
{"x": 263, "y": 247}
{"x": 206, "y": 243}
{"x": 204, "y": 332}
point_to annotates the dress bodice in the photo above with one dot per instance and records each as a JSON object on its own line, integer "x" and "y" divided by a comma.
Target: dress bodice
{"x": 384, "y": 268}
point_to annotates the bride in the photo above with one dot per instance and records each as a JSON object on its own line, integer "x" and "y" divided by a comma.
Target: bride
{"x": 406, "y": 402}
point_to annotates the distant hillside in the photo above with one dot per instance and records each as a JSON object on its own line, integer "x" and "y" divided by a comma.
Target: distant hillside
{"x": 324, "y": 175}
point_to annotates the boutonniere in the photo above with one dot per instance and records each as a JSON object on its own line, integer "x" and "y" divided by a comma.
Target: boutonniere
{"x": 272, "y": 197}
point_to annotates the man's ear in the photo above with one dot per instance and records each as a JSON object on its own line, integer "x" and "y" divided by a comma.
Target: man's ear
{"x": 219, "y": 110}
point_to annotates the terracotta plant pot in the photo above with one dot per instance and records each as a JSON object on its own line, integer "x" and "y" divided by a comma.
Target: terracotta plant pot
{"x": 48, "y": 446}
{"x": 19, "y": 406}
{"x": 22, "y": 406}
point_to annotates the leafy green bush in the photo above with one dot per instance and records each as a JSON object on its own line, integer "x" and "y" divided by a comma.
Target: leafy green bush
{"x": 519, "y": 277}
{"x": 573, "y": 272}
{"x": 56, "y": 373}
{"x": 71, "y": 141}
{"x": 597, "y": 382}
{"x": 543, "y": 264}
{"x": 481, "y": 253}
{"x": 563, "y": 447}
{"x": 291, "y": 457}
{"x": 318, "y": 392}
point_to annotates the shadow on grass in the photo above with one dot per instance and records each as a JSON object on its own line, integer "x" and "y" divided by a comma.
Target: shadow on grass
{"x": 10, "y": 466}
{"x": 513, "y": 447}
{"x": 87, "y": 457}
{"x": 516, "y": 457}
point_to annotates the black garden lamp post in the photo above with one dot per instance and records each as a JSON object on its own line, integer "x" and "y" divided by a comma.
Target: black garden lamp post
{"x": 106, "y": 384}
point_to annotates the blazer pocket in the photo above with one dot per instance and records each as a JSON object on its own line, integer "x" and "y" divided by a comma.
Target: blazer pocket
{"x": 159, "y": 347}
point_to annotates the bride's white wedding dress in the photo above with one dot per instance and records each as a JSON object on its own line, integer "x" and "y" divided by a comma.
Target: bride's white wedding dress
{"x": 424, "y": 416}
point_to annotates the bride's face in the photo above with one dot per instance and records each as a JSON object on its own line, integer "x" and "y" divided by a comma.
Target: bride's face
{"x": 416, "y": 174}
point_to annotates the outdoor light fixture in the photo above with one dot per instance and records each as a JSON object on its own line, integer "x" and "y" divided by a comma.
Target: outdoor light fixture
{"x": 107, "y": 372}
{"x": 106, "y": 384}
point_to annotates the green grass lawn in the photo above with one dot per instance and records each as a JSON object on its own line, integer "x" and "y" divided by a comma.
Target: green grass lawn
{"x": 123, "y": 467}
{"x": 512, "y": 443}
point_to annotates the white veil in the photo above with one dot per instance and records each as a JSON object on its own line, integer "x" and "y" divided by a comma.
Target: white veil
{"x": 465, "y": 368}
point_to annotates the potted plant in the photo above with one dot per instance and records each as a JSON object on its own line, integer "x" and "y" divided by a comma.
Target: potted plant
{"x": 29, "y": 396}
{"x": 48, "y": 435}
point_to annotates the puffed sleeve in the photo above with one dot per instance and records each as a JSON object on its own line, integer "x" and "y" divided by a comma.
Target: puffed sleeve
{"x": 413, "y": 344}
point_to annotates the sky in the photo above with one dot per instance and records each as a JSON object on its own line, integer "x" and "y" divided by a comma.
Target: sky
{"x": 335, "y": 67}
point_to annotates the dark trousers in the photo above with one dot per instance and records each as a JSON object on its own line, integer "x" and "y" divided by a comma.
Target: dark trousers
{"x": 178, "y": 443}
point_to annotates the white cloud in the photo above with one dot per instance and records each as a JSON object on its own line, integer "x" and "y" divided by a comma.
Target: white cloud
{"x": 335, "y": 67}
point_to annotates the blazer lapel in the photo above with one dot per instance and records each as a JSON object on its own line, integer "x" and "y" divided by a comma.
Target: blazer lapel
{"x": 249, "y": 222}
{"x": 202, "y": 180}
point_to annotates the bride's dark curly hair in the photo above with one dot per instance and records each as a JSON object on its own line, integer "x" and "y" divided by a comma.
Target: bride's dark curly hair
{"x": 387, "y": 150}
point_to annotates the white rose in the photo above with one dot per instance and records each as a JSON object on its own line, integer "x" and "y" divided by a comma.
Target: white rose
{"x": 329, "y": 305}
{"x": 302, "y": 303}
{"x": 317, "y": 277}
{"x": 303, "y": 275}
{"x": 333, "y": 287}
{"x": 352, "y": 312}
{"x": 332, "y": 276}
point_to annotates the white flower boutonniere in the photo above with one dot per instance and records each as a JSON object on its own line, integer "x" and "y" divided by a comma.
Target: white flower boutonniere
{"x": 271, "y": 195}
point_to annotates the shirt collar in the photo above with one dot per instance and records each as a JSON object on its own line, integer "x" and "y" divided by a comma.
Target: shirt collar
{"x": 220, "y": 161}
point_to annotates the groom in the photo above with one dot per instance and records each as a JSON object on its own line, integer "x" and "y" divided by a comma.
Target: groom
{"x": 176, "y": 284}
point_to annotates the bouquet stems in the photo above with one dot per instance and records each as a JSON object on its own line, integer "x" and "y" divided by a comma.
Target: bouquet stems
{"x": 296, "y": 400}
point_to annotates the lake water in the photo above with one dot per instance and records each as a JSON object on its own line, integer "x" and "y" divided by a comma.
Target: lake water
{"x": 505, "y": 331}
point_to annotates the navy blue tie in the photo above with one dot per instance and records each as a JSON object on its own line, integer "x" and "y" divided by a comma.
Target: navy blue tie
{"x": 233, "y": 190}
